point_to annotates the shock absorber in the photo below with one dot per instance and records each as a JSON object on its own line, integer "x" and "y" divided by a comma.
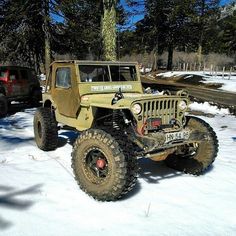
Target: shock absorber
{"x": 115, "y": 119}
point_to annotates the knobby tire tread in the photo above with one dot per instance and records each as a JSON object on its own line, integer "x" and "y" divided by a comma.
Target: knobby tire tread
{"x": 201, "y": 164}
{"x": 116, "y": 191}
{"x": 49, "y": 139}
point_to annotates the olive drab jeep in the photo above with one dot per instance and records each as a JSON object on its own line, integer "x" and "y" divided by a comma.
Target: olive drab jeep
{"x": 119, "y": 122}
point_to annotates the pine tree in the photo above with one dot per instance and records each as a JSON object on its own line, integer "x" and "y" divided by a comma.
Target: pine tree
{"x": 229, "y": 34}
{"x": 166, "y": 22}
{"x": 79, "y": 33}
{"x": 108, "y": 29}
{"x": 21, "y": 32}
{"x": 205, "y": 12}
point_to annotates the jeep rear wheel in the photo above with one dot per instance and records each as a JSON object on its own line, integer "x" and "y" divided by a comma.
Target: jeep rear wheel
{"x": 197, "y": 157}
{"x": 99, "y": 165}
{"x": 3, "y": 105}
{"x": 45, "y": 129}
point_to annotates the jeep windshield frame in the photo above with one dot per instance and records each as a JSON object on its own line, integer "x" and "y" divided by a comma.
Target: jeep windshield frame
{"x": 107, "y": 73}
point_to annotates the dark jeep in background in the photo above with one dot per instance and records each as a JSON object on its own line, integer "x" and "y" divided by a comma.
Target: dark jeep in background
{"x": 18, "y": 84}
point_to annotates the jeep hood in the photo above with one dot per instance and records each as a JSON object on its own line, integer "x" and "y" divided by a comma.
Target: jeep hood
{"x": 105, "y": 100}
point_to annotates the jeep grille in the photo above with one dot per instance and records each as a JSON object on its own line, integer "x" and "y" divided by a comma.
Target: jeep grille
{"x": 166, "y": 109}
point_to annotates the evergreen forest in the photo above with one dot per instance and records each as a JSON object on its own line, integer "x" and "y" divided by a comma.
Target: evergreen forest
{"x": 159, "y": 33}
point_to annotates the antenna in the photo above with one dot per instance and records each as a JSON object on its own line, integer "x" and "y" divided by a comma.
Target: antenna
{"x": 118, "y": 44}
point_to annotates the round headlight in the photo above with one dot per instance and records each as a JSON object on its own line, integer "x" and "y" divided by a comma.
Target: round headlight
{"x": 136, "y": 109}
{"x": 182, "y": 105}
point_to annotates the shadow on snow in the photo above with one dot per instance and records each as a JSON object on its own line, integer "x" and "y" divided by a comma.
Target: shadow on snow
{"x": 67, "y": 136}
{"x": 19, "y": 107}
{"x": 153, "y": 173}
{"x": 10, "y": 123}
{"x": 15, "y": 140}
{"x": 10, "y": 200}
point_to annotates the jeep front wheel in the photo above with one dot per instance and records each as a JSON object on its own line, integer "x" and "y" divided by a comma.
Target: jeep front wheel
{"x": 99, "y": 165}
{"x": 196, "y": 157}
{"x": 45, "y": 129}
{"x": 3, "y": 105}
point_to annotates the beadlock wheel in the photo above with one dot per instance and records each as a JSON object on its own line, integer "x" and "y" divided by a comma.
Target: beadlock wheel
{"x": 100, "y": 166}
{"x": 96, "y": 165}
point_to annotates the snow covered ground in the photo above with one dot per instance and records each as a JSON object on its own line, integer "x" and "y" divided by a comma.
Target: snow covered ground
{"x": 38, "y": 195}
{"x": 228, "y": 81}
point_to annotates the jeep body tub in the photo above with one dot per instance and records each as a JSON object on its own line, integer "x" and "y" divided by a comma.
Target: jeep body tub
{"x": 82, "y": 97}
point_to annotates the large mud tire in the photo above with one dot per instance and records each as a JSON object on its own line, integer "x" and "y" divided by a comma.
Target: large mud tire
{"x": 108, "y": 183}
{"x": 131, "y": 159}
{"x": 3, "y": 106}
{"x": 196, "y": 160}
{"x": 45, "y": 129}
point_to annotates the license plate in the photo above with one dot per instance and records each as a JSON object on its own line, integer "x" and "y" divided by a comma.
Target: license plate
{"x": 182, "y": 135}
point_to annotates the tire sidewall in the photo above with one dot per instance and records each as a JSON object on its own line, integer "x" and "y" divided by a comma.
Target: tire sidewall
{"x": 109, "y": 180}
{"x": 113, "y": 184}
{"x": 206, "y": 147}
{"x": 206, "y": 151}
{"x": 39, "y": 119}
{"x": 48, "y": 139}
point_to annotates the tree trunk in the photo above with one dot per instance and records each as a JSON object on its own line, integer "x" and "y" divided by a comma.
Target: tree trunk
{"x": 155, "y": 57}
{"x": 199, "y": 51}
{"x": 47, "y": 55}
{"x": 201, "y": 22}
{"x": 170, "y": 57}
{"x": 154, "y": 66}
{"x": 47, "y": 45}
{"x": 109, "y": 30}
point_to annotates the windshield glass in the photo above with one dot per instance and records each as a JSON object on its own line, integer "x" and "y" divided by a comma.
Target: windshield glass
{"x": 93, "y": 73}
{"x": 123, "y": 73}
{"x": 100, "y": 73}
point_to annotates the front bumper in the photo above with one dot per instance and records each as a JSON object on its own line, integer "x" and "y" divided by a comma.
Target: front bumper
{"x": 150, "y": 145}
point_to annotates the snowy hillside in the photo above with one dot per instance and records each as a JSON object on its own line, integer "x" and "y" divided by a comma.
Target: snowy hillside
{"x": 39, "y": 197}
{"x": 227, "y": 80}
